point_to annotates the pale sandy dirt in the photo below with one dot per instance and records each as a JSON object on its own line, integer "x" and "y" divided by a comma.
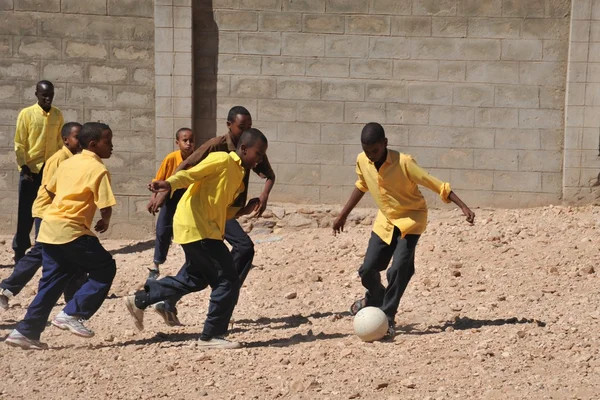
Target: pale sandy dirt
{"x": 520, "y": 321}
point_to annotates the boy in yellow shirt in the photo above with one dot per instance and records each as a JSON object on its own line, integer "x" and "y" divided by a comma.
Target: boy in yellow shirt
{"x": 184, "y": 138}
{"x": 28, "y": 265}
{"x": 199, "y": 226}
{"x": 80, "y": 186}
{"x": 391, "y": 178}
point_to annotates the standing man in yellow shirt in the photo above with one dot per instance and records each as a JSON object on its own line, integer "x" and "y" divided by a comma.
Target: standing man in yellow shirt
{"x": 199, "y": 226}
{"x": 391, "y": 178}
{"x": 37, "y": 138}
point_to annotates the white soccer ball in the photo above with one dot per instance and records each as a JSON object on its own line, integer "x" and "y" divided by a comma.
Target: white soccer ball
{"x": 370, "y": 324}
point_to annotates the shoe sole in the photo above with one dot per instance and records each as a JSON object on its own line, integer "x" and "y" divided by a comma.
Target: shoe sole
{"x": 220, "y": 346}
{"x": 67, "y": 327}
{"x": 166, "y": 319}
{"x": 26, "y": 347}
{"x": 131, "y": 308}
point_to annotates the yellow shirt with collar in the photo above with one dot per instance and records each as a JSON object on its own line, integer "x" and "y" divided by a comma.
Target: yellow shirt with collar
{"x": 43, "y": 200}
{"x": 81, "y": 184}
{"x": 202, "y": 211}
{"x": 395, "y": 191}
{"x": 37, "y": 136}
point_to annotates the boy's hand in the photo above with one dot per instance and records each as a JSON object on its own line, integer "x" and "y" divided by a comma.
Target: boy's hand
{"x": 469, "y": 214}
{"x": 159, "y": 186}
{"x": 101, "y": 226}
{"x": 27, "y": 174}
{"x": 252, "y": 206}
{"x": 156, "y": 202}
{"x": 262, "y": 205}
{"x": 338, "y": 224}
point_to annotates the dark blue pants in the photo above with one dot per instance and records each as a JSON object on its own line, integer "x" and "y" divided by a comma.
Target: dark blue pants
{"x": 164, "y": 227}
{"x": 209, "y": 261}
{"x": 60, "y": 263}
{"x": 27, "y": 194}
{"x": 26, "y": 268}
{"x": 399, "y": 273}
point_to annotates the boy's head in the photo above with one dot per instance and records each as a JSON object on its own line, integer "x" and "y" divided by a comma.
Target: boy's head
{"x": 97, "y": 138}
{"x": 238, "y": 120}
{"x": 252, "y": 147}
{"x": 44, "y": 92}
{"x": 373, "y": 141}
{"x": 70, "y": 136}
{"x": 184, "y": 138}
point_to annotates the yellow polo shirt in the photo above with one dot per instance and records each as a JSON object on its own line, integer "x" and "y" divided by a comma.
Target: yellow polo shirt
{"x": 81, "y": 184}
{"x": 37, "y": 136}
{"x": 202, "y": 211}
{"x": 42, "y": 201}
{"x": 394, "y": 189}
{"x": 168, "y": 166}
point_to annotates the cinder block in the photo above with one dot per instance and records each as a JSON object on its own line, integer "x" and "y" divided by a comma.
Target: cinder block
{"x": 182, "y": 17}
{"x": 282, "y": 153}
{"x": 163, "y": 39}
{"x": 590, "y": 139}
{"x": 280, "y": 22}
{"x": 542, "y": 73}
{"x": 314, "y": 6}
{"x": 37, "y": 47}
{"x": 476, "y": 8}
{"x": 236, "y": 64}
{"x": 455, "y": 49}
{"x": 72, "y": 114}
{"x": 323, "y": 23}
{"x": 573, "y": 138}
{"x": 106, "y": 74}
{"x": 493, "y": 72}
{"x": 557, "y": 50}
{"x": 133, "y": 8}
{"x": 346, "y": 46}
{"x": 182, "y": 107}
{"x": 260, "y": 43}
{"x": 335, "y": 68}
{"x": 501, "y": 28}
{"x": 347, "y": 6}
{"x": 340, "y": 134}
{"x": 573, "y": 159}
{"x": 139, "y": 97}
{"x": 452, "y": 71}
{"x": 517, "y": 96}
{"x": 520, "y": 9}
{"x": 571, "y": 177}
{"x": 142, "y": 120}
{"x": 19, "y": 24}
{"x": 589, "y": 177}
{"x": 182, "y": 64}
{"x": 392, "y": 7}
{"x": 61, "y": 72}
{"x": 552, "y": 97}
{"x": 430, "y": 93}
{"x": 51, "y": 6}
{"x": 299, "y": 88}
{"x": 163, "y": 16}
{"x": 449, "y": 27}
{"x": 319, "y": 154}
{"x": 368, "y": 25}
{"x": 389, "y": 47}
{"x": 276, "y": 110}
{"x": 89, "y": 95}
{"x": 434, "y": 7}
{"x": 283, "y": 66}
{"x": 298, "y": 132}
{"x": 299, "y": 44}
{"x": 370, "y": 68}
{"x": 163, "y": 63}
{"x": 236, "y": 20}
{"x": 430, "y": 136}
{"x": 397, "y": 135}
{"x": 594, "y": 35}
{"x": 299, "y": 174}
{"x": 494, "y": 159}
{"x": 253, "y": 87}
{"x": 522, "y": 50}
{"x": 410, "y": 26}
{"x": 392, "y": 91}
{"x": 296, "y": 193}
{"x": 119, "y": 163}
{"x": 126, "y": 184}
{"x": 337, "y": 174}
{"x": 164, "y": 128}
{"x": 455, "y": 158}
{"x": 452, "y": 116}
{"x": 346, "y": 90}
{"x": 471, "y": 179}
{"x": 540, "y": 160}
{"x": 141, "y": 76}
{"x": 580, "y": 31}
{"x": 9, "y": 93}
{"x": 182, "y": 86}
{"x": 272, "y": 5}
{"x": 576, "y": 94}
{"x": 577, "y": 72}
{"x": 320, "y": 111}
{"x": 350, "y": 154}
{"x": 406, "y": 114}
{"x": 224, "y": 104}
{"x": 540, "y": 119}
{"x": 182, "y": 40}
{"x": 545, "y": 28}
{"x": 132, "y": 51}
{"x": 19, "y": 69}
{"x": 6, "y": 49}
{"x": 364, "y": 112}
{"x": 497, "y": 118}
{"x": 86, "y": 50}
{"x": 415, "y": 70}
{"x": 552, "y": 139}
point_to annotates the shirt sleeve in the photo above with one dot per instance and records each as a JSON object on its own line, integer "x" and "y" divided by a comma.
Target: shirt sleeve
{"x": 200, "y": 153}
{"x": 161, "y": 174}
{"x": 360, "y": 184}
{"x": 264, "y": 169}
{"x": 61, "y": 122}
{"x": 49, "y": 171}
{"x": 210, "y": 165}
{"x": 51, "y": 185}
{"x": 421, "y": 177}
{"x": 103, "y": 195}
{"x": 21, "y": 139}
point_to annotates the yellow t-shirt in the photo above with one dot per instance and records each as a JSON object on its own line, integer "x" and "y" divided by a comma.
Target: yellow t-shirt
{"x": 168, "y": 166}
{"x": 37, "y": 136}
{"x": 81, "y": 184}
{"x": 394, "y": 189}
{"x": 202, "y": 210}
{"x": 42, "y": 201}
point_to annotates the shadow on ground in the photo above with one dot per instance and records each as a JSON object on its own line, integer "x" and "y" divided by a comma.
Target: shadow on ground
{"x": 134, "y": 248}
{"x": 463, "y": 323}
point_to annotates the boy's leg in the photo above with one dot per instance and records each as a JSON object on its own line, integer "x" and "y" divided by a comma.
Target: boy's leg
{"x": 75, "y": 283}
{"x": 242, "y": 249}
{"x": 376, "y": 260}
{"x": 25, "y": 268}
{"x": 27, "y": 193}
{"x": 55, "y": 275}
{"x": 164, "y": 232}
{"x": 399, "y": 274}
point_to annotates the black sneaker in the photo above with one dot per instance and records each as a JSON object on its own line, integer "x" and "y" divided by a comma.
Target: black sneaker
{"x": 391, "y": 333}
{"x": 153, "y": 274}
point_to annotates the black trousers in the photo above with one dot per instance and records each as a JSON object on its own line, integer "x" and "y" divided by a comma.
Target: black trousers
{"x": 27, "y": 194}
{"x": 206, "y": 261}
{"x": 399, "y": 273}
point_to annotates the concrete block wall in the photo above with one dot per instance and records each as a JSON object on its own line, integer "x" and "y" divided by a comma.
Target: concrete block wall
{"x": 475, "y": 90}
{"x": 100, "y": 56}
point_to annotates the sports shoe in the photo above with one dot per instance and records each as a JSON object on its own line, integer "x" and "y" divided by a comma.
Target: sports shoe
{"x": 136, "y": 313}
{"x": 391, "y": 332}
{"x": 218, "y": 343}
{"x": 169, "y": 317}
{"x": 72, "y": 324}
{"x": 153, "y": 274}
{"x": 3, "y": 301}
{"x": 16, "y": 339}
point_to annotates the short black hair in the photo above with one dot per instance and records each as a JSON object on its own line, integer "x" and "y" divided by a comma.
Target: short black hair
{"x": 235, "y": 111}
{"x": 251, "y": 136}
{"x": 372, "y": 133}
{"x": 91, "y": 131}
{"x": 66, "y": 129}
{"x": 181, "y": 130}
{"x": 44, "y": 83}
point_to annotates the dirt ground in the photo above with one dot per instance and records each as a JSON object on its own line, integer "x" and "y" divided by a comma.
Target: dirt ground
{"x": 504, "y": 309}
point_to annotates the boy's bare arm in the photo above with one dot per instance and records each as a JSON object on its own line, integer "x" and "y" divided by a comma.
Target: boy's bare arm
{"x": 104, "y": 222}
{"x": 466, "y": 210}
{"x": 340, "y": 221}
{"x": 264, "y": 196}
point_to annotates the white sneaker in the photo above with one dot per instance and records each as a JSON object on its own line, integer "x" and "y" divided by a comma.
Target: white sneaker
{"x": 72, "y": 324}
{"x": 5, "y": 294}
{"x": 218, "y": 343}
{"x": 136, "y": 313}
{"x": 16, "y": 339}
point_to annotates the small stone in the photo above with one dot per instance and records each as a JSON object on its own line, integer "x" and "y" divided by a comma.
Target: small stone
{"x": 305, "y": 211}
{"x": 279, "y": 212}
{"x": 494, "y": 236}
{"x": 109, "y": 338}
{"x": 456, "y": 264}
{"x": 170, "y": 368}
{"x": 345, "y": 353}
{"x": 291, "y": 295}
{"x": 299, "y": 221}
{"x": 354, "y": 396}
{"x": 554, "y": 270}
{"x": 449, "y": 329}
{"x": 480, "y": 289}
{"x": 588, "y": 270}
{"x": 382, "y": 385}
{"x": 521, "y": 334}
{"x": 501, "y": 298}
{"x": 297, "y": 386}
{"x": 456, "y": 274}
{"x": 267, "y": 214}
